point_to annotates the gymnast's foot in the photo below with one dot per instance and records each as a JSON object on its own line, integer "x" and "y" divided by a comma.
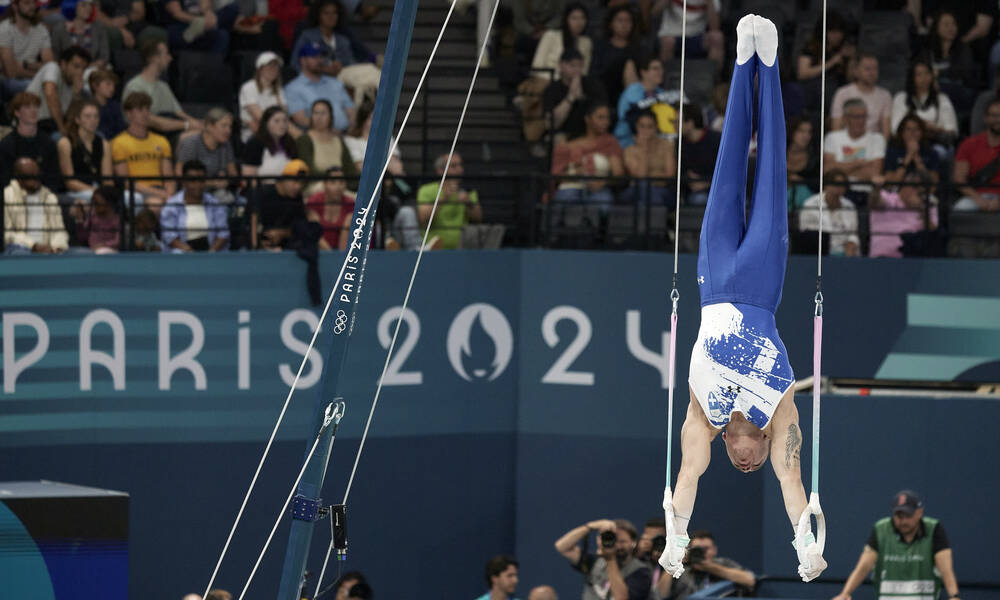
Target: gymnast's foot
{"x": 745, "y": 39}
{"x": 765, "y": 39}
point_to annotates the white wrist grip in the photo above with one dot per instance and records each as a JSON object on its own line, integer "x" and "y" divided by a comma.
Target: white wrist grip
{"x": 805, "y": 526}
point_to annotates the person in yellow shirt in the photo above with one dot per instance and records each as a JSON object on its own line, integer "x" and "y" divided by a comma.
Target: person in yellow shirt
{"x": 456, "y": 208}
{"x": 138, "y": 152}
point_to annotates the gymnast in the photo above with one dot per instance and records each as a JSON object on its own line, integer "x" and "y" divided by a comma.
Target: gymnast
{"x": 740, "y": 378}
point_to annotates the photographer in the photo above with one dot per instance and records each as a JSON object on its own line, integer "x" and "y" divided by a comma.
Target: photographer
{"x": 703, "y": 567}
{"x": 614, "y": 572}
{"x": 654, "y": 535}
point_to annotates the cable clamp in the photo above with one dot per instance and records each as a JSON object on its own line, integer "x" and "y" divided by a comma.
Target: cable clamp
{"x": 674, "y": 297}
{"x": 334, "y": 412}
{"x": 819, "y": 304}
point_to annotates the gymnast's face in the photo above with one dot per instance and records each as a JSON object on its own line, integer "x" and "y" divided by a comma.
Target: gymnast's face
{"x": 746, "y": 445}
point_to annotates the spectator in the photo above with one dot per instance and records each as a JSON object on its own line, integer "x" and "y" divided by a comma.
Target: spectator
{"x": 646, "y": 94}
{"x": 909, "y": 152}
{"x": 542, "y": 592}
{"x": 32, "y": 217}
{"x": 856, "y": 151}
{"x": 650, "y": 157}
{"x": 704, "y": 38}
{"x": 566, "y": 99}
{"x": 974, "y": 22}
{"x": 347, "y": 581}
{"x": 840, "y": 218}
{"x": 457, "y": 206}
{"x": 139, "y": 152}
{"x": 356, "y": 141}
{"x": 25, "y": 46}
{"x": 803, "y": 162}
{"x": 910, "y": 208}
{"x": 102, "y": 89}
{"x": 840, "y": 51}
{"x": 56, "y": 84}
{"x": 166, "y": 112}
{"x": 279, "y": 208}
{"x": 977, "y": 122}
{"x": 83, "y": 31}
{"x": 906, "y": 551}
{"x": 701, "y": 145}
{"x": 214, "y": 151}
{"x": 126, "y": 24}
{"x": 146, "y": 223}
{"x": 26, "y": 141}
{"x": 261, "y": 92}
{"x": 923, "y": 99}
{"x": 332, "y": 207}
{"x": 198, "y": 25}
{"x": 271, "y": 148}
{"x": 84, "y": 156}
{"x": 616, "y": 56}
{"x": 704, "y": 567}
{"x": 360, "y": 76}
{"x": 532, "y": 18}
{"x": 977, "y": 166}
{"x": 614, "y": 572}
{"x": 951, "y": 57}
{"x": 501, "y": 577}
{"x": 98, "y": 225}
{"x": 876, "y": 99}
{"x": 571, "y": 34}
{"x": 321, "y": 147}
{"x": 654, "y": 528}
{"x": 192, "y": 219}
{"x": 219, "y": 594}
{"x": 312, "y": 85}
{"x": 595, "y": 154}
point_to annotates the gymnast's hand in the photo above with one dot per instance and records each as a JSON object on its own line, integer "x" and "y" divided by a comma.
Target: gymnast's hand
{"x": 811, "y": 564}
{"x": 672, "y": 559}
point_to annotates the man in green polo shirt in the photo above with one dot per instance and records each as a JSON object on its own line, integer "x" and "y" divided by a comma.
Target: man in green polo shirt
{"x": 457, "y": 207}
{"x": 910, "y": 555}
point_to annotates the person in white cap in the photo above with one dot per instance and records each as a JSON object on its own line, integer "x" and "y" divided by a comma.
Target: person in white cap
{"x": 261, "y": 92}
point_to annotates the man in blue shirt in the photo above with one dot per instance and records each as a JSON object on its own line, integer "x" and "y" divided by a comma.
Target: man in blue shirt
{"x": 312, "y": 85}
{"x": 501, "y": 576}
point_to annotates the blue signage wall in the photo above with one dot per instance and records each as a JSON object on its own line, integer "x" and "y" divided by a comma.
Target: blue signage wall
{"x": 527, "y": 396}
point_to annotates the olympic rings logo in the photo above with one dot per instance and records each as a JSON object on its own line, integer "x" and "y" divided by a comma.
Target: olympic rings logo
{"x": 341, "y": 323}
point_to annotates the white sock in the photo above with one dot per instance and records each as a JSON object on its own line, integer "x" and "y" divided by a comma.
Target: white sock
{"x": 745, "y": 39}
{"x": 766, "y": 40}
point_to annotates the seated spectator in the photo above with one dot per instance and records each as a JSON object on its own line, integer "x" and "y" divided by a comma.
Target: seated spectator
{"x": 278, "y": 207}
{"x": 26, "y": 141}
{"x": 531, "y": 19}
{"x": 977, "y": 166}
{"x": 83, "y": 30}
{"x": 214, "y": 151}
{"x": 894, "y": 211}
{"x": 840, "y": 218}
{"x": 703, "y": 567}
{"x": 909, "y": 152}
{"x": 102, "y": 90}
{"x": 855, "y": 150}
{"x": 616, "y": 56}
{"x": 704, "y": 38}
{"x": 332, "y": 207}
{"x": 146, "y": 224}
{"x": 198, "y": 25}
{"x": 192, "y": 220}
{"x": 876, "y": 99}
{"x": 139, "y": 152}
{"x": 571, "y": 34}
{"x": 923, "y": 99}
{"x": 166, "y": 112}
{"x": 260, "y": 93}
{"x": 457, "y": 206}
{"x": 973, "y": 23}
{"x": 646, "y": 94}
{"x": 715, "y": 113}
{"x": 321, "y": 147}
{"x": 56, "y": 84}
{"x": 312, "y": 85}
{"x": 614, "y": 567}
{"x": 32, "y": 217}
{"x": 501, "y": 577}
{"x": 25, "y": 46}
{"x": 125, "y": 22}
{"x": 98, "y": 224}
{"x": 594, "y": 154}
{"x": 360, "y": 76}
{"x": 701, "y": 145}
{"x": 840, "y": 51}
{"x": 84, "y": 156}
{"x": 651, "y": 156}
{"x": 567, "y": 98}
{"x": 219, "y": 594}
{"x": 271, "y": 148}
{"x": 803, "y": 162}
{"x": 356, "y": 141}
{"x": 950, "y": 56}
{"x": 976, "y": 120}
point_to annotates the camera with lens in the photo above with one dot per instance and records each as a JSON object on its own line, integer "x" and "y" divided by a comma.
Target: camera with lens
{"x": 659, "y": 544}
{"x": 608, "y": 539}
{"x": 695, "y": 555}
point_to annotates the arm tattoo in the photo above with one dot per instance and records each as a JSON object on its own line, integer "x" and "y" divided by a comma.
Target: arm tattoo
{"x": 793, "y": 444}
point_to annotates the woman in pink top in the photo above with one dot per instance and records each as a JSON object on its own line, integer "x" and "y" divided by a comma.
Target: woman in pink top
{"x": 909, "y": 209}
{"x": 99, "y": 228}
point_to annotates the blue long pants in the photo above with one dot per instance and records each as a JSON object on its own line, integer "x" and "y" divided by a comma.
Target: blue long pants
{"x": 739, "y": 260}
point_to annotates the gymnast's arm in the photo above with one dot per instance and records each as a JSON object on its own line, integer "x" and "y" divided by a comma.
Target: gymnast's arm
{"x": 786, "y": 445}
{"x": 696, "y": 448}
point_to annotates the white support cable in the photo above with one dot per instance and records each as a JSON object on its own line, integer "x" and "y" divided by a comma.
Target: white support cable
{"x": 680, "y": 137}
{"x": 329, "y": 302}
{"x": 822, "y": 138}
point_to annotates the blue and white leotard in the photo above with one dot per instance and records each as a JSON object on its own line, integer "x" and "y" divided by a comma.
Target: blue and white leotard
{"x": 739, "y": 362}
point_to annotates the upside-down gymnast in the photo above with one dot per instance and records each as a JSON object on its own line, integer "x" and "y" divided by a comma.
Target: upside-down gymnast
{"x": 740, "y": 378}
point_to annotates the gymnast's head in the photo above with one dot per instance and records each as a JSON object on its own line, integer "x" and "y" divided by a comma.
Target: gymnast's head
{"x": 746, "y": 444}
